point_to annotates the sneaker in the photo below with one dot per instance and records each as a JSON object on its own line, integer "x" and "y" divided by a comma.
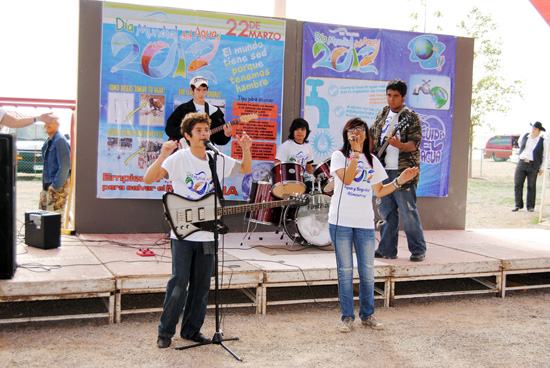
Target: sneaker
{"x": 346, "y": 325}
{"x": 372, "y": 323}
{"x": 378, "y": 255}
{"x": 163, "y": 342}
{"x": 418, "y": 257}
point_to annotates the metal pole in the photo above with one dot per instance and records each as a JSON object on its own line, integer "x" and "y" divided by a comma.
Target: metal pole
{"x": 544, "y": 178}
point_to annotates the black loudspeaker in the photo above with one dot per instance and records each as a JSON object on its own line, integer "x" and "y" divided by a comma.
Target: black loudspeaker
{"x": 43, "y": 229}
{"x": 7, "y": 206}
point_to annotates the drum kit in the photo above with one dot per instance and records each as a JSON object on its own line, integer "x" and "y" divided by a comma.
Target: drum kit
{"x": 306, "y": 225}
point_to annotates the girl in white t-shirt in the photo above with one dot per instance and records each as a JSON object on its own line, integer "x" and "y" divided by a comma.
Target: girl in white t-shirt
{"x": 357, "y": 175}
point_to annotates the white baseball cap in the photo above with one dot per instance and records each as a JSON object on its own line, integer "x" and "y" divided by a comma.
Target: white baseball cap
{"x": 198, "y": 81}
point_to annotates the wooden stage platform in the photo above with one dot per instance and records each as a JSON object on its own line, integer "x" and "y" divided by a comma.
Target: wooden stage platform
{"x": 264, "y": 269}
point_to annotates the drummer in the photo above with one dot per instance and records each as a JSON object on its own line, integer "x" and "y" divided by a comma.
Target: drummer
{"x": 297, "y": 148}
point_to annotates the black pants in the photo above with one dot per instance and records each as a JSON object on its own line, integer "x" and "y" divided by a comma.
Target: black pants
{"x": 525, "y": 170}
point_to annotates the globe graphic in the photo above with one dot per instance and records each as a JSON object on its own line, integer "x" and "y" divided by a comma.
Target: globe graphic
{"x": 423, "y": 49}
{"x": 439, "y": 96}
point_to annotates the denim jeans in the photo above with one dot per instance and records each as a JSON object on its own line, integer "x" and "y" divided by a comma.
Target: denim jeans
{"x": 525, "y": 170}
{"x": 399, "y": 203}
{"x": 344, "y": 240}
{"x": 192, "y": 269}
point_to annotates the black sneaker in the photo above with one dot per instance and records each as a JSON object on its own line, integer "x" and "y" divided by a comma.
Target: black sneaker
{"x": 199, "y": 338}
{"x": 163, "y": 342}
{"x": 378, "y": 255}
{"x": 418, "y": 257}
{"x": 515, "y": 209}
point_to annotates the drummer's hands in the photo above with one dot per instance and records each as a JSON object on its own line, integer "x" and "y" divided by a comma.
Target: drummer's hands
{"x": 408, "y": 174}
{"x": 244, "y": 141}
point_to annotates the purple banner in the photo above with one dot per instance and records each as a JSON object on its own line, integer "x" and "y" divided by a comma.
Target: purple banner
{"x": 345, "y": 71}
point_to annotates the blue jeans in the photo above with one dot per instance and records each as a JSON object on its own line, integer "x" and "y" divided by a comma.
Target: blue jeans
{"x": 344, "y": 240}
{"x": 190, "y": 268}
{"x": 399, "y": 203}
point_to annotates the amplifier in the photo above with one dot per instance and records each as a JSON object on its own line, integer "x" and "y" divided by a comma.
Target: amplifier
{"x": 43, "y": 229}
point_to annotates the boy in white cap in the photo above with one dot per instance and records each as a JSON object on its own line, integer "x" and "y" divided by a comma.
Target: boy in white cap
{"x": 199, "y": 89}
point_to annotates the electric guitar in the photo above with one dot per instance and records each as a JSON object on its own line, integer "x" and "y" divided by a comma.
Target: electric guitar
{"x": 381, "y": 154}
{"x": 242, "y": 119}
{"x": 186, "y": 216}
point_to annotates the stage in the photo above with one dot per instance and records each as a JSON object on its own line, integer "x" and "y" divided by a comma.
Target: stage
{"x": 264, "y": 269}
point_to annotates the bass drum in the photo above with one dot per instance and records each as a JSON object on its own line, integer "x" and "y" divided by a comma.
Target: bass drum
{"x": 309, "y": 223}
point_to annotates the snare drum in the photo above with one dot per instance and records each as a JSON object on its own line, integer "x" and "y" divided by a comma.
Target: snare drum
{"x": 322, "y": 174}
{"x": 260, "y": 192}
{"x": 309, "y": 222}
{"x": 287, "y": 178}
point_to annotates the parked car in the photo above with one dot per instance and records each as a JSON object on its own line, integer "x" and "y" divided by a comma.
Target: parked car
{"x": 500, "y": 147}
{"x": 29, "y": 144}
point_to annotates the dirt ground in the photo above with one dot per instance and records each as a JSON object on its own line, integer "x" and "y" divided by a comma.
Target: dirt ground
{"x": 467, "y": 331}
{"x": 472, "y": 331}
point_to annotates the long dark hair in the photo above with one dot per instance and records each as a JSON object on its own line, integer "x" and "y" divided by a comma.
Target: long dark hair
{"x": 354, "y": 123}
{"x": 297, "y": 124}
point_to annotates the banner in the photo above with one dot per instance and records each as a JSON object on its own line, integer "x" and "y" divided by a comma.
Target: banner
{"x": 345, "y": 71}
{"x": 149, "y": 55}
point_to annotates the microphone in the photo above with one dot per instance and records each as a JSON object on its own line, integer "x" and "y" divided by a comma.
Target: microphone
{"x": 351, "y": 138}
{"x": 211, "y": 147}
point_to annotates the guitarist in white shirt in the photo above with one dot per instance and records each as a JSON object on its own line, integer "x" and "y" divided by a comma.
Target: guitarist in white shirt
{"x": 398, "y": 149}
{"x": 193, "y": 257}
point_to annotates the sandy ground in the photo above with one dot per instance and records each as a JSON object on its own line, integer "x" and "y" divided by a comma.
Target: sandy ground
{"x": 480, "y": 331}
{"x": 469, "y": 331}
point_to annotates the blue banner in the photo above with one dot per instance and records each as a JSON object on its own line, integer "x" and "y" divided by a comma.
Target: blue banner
{"x": 150, "y": 54}
{"x": 345, "y": 71}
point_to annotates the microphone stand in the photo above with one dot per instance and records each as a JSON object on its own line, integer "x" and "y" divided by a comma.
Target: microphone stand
{"x": 218, "y": 335}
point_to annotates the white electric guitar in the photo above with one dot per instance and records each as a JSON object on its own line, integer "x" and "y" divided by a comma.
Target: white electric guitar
{"x": 186, "y": 216}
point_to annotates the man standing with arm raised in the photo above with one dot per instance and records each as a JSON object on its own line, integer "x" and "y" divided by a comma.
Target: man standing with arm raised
{"x": 193, "y": 257}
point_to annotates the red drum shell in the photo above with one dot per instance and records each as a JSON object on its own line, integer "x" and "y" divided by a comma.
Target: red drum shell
{"x": 260, "y": 192}
{"x": 287, "y": 178}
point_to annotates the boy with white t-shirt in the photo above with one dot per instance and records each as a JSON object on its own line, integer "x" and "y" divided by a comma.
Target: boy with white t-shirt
{"x": 296, "y": 148}
{"x": 193, "y": 257}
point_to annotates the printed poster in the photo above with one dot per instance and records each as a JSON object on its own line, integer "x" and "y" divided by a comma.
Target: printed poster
{"x": 345, "y": 71}
{"x": 149, "y": 55}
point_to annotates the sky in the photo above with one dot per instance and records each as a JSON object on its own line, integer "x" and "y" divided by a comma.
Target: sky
{"x": 41, "y": 42}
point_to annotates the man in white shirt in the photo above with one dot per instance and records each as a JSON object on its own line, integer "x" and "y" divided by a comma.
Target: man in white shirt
{"x": 529, "y": 165}
{"x": 193, "y": 257}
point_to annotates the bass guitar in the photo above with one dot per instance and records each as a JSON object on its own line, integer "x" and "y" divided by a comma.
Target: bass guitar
{"x": 185, "y": 216}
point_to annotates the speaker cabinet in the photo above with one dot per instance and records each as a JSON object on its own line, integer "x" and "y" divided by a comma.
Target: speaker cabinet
{"x": 43, "y": 229}
{"x": 7, "y": 206}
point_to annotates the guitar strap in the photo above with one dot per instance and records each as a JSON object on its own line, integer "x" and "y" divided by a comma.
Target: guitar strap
{"x": 219, "y": 192}
{"x": 393, "y": 123}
